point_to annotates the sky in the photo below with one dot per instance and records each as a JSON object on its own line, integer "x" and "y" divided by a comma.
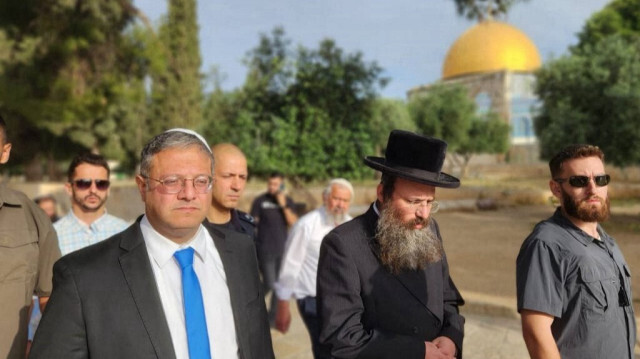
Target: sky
{"x": 409, "y": 39}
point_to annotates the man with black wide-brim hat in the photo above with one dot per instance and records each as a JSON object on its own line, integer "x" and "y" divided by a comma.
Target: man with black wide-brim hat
{"x": 384, "y": 289}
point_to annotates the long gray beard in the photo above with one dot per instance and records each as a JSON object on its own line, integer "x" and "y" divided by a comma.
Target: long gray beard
{"x": 404, "y": 248}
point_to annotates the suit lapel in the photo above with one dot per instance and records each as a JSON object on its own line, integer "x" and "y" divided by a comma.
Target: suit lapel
{"x": 140, "y": 278}
{"x": 417, "y": 282}
{"x": 226, "y": 246}
{"x": 238, "y": 274}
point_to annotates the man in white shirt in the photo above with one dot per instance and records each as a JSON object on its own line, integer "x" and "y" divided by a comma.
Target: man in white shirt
{"x": 300, "y": 263}
{"x": 128, "y": 296}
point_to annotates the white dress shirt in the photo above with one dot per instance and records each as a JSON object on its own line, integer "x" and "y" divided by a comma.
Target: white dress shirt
{"x": 300, "y": 263}
{"x": 213, "y": 282}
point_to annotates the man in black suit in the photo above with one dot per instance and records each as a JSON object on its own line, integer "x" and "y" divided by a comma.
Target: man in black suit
{"x": 383, "y": 285}
{"x": 123, "y": 297}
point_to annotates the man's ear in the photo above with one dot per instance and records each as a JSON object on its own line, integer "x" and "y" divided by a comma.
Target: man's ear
{"x": 379, "y": 193}
{"x": 142, "y": 187}
{"x": 67, "y": 187}
{"x": 555, "y": 189}
{"x": 6, "y": 151}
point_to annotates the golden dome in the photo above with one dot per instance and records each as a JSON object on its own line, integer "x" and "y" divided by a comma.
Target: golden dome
{"x": 491, "y": 46}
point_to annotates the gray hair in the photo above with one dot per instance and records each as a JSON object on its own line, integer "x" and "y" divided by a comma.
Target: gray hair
{"x": 339, "y": 182}
{"x": 170, "y": 139}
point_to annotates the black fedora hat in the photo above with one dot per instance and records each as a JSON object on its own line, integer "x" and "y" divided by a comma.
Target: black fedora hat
{"x": 414, "y": 157}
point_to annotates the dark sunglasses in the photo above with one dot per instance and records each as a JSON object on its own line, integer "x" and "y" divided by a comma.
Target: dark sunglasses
{"x": 583, "y": 181}
{"x": 84, "y": 183}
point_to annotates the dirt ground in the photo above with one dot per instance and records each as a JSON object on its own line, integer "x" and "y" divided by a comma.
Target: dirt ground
{"x": 482, "y": 246}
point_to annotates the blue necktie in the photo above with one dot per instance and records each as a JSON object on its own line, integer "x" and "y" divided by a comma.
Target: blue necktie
{"x": 196, "y": 323}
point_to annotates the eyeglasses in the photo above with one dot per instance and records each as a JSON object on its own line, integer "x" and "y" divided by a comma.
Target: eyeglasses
{"x": 175, "y": 184}
{"x": 85, "y": 183}
{"x": 583, "y": 181}
{"x": 432, "y": 205}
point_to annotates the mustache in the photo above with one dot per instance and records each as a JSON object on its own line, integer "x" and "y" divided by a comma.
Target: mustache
{"x": 417, "y": 221}
{"x": 586, "y": 201}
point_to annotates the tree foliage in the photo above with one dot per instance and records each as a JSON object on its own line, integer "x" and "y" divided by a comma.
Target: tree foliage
{"x": 306, "y": 112}
{"x": 619, "y": 17}
{"x": 447, "y": 112}
{"x": 389, "y": 114}
{"x": 177, "y": 92}
{"x": 70, "y": 84}
{"x": 483, "y": 9}
{"x": 592, "y": 96}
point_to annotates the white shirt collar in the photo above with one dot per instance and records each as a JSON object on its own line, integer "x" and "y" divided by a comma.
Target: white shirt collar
{"x": 162, "y": 248}
{"x": 375, "y": 208}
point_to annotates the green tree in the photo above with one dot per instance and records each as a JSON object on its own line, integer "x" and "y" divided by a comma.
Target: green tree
{"x": 255, "y": 111}
{"x": 227, "y": 120}
{"x": 69, "y": 83}
{"x": 177, "y": 93}
{"x": 483, "y": 9}
{"x": 591, "y": 96}
{"x": 447, "y": 112}
{"x": 306, "y": 112}
{"x": 389, "y": 114}
{"x": 488, "y": 134}
{"x": 619, "y": 17}
{"x": 343, "y": 86}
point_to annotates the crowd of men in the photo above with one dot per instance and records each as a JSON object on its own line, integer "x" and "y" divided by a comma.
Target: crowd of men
{"x": 188, "y": 278}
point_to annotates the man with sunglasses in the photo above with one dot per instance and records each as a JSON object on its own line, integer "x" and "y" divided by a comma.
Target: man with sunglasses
{"x": 88, "y": 221}
{"x": 573, "y": 284}
{"x": 169, "y": 286}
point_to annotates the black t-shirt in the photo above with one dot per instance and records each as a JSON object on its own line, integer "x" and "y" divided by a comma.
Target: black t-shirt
{"x": 240, "y": 222}
{"x": 272, "y": 225}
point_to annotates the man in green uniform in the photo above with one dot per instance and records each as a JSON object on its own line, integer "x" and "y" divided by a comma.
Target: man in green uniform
{"x": 28, "y": 249}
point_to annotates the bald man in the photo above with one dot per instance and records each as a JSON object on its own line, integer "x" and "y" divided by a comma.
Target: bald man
{"x": 230, "y": 178}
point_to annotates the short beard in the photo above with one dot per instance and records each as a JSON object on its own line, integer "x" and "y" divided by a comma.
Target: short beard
{"x": 81, "y": 202}
{"x": 583, "y": 211}
{"x": 404, "y": 248}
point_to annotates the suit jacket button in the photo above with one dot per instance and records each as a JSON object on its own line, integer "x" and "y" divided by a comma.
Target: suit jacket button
{"x": 415, "y": 330}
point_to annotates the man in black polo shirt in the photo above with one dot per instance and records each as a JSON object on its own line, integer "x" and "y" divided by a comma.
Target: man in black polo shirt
{"x": 574, "y": 287}
{"x": 273, "y": 211}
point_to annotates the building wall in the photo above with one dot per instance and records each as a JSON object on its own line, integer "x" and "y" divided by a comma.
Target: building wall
{"x": 510, "y": 95}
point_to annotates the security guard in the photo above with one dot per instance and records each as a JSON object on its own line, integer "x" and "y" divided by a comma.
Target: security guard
{"x": 230, "y": 179}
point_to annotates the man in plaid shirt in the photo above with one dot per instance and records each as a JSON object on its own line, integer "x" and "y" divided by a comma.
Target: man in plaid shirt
{"x": 88, "y": 221}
